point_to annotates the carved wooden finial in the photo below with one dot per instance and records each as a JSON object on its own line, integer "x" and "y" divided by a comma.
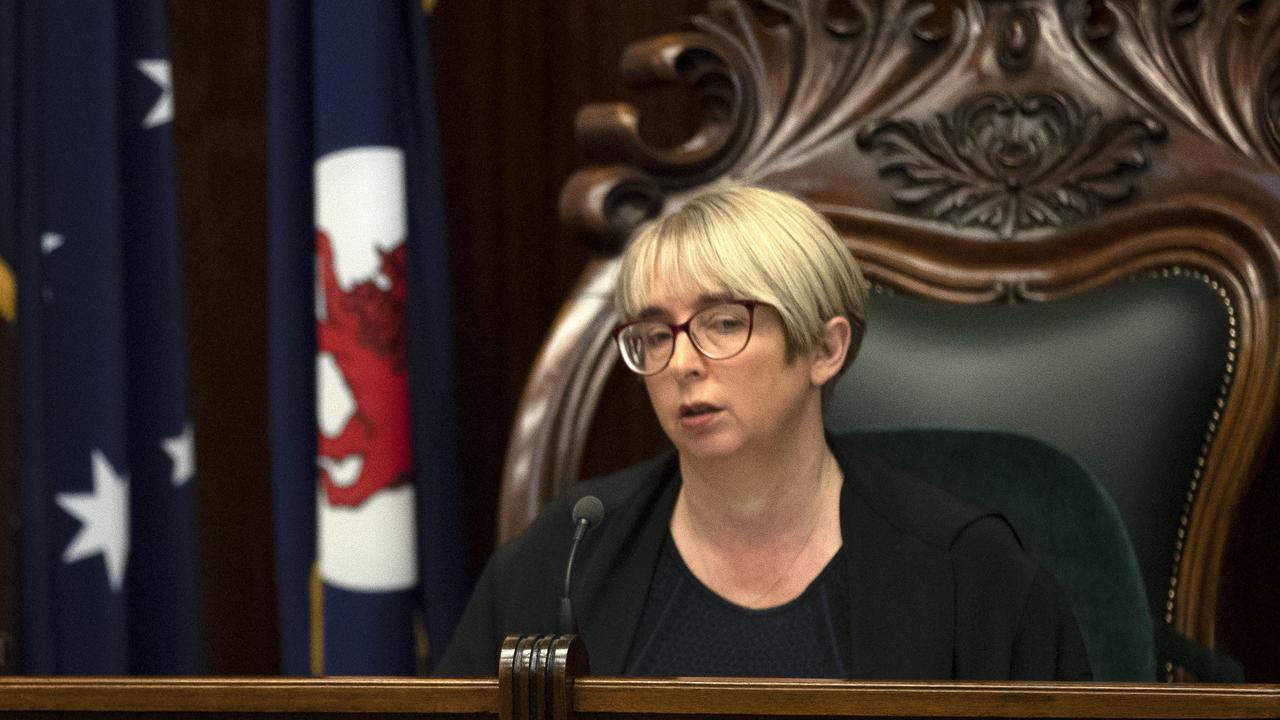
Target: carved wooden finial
{"x": 535, "y": 674}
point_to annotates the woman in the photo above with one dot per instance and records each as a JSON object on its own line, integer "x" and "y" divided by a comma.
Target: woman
{"x": 762, "y": 546}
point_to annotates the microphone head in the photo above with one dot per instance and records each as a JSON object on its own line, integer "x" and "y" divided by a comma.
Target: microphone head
{"x": 589, "y": 508}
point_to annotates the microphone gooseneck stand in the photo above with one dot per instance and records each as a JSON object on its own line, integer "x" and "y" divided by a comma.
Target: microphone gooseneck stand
{"x": 587, "y": 512}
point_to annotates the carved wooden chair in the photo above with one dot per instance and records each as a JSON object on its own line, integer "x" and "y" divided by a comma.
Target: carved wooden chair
{"x": 1069, "y": 211}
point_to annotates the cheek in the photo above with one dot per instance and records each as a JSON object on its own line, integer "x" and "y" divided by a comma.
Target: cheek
{"x": 664, "y": 398}
{"x": 772, "y": 388}
{"x": 761, "y": 398}
{"x": 658, "y": 390}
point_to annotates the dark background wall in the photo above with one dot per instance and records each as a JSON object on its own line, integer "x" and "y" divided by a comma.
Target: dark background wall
{"x": 218, "y": 55}
{"x": 510, "y": 76}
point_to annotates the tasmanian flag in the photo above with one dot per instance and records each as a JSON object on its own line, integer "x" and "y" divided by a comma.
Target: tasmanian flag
{"x": 371, "y": 576}
{"x": 107, "y": 571}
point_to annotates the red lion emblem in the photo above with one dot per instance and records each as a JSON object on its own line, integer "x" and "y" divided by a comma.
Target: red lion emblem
{"x": 364, "y": 330}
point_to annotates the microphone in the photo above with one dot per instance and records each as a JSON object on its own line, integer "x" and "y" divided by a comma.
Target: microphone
{"x": 587, "y": 511}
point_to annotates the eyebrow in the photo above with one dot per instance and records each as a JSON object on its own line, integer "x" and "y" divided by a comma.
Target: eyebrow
{"x": 704, "y": 300}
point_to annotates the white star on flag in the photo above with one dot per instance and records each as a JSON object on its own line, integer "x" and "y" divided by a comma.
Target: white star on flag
{"x": 162, "y": 111}
{"x": 181, "y": 451}
{"x": 51, "y": 241}
{"x": 104, "y": 520}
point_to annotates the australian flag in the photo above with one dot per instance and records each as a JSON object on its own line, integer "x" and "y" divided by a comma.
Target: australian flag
{"x": 107, "y": 576}
{"x": 370, "y": 571}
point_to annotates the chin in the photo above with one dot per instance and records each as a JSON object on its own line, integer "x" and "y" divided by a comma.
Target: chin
{"x": 709, "y": 446}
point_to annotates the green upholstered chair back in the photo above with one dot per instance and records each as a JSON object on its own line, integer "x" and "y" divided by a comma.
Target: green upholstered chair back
{"x": 1065, "y": 519}
{"x": 1127, "y": 379}
{"x": 1069, "y": 211}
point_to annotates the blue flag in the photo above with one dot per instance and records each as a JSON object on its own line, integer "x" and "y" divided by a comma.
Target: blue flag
{"x": 107, "y": 582}
{"x": 370, "y": 569}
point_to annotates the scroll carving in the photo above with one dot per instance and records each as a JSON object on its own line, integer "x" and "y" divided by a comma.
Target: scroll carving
{"x": 844, "y": 60}
{"x": 1154, "y": 52}
{"x": 835, "y": 57}
{"x": 1009, "y": 162}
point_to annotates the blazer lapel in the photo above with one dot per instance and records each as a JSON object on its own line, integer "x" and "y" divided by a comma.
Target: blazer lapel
{"x": 900, "y": 589}
{"x": 619, "y": 570}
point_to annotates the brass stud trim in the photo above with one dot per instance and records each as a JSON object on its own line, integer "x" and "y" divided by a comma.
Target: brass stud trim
{"x": 1229, "y": 366}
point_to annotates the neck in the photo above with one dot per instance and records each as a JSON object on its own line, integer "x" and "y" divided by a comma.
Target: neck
{"x": 771, "y": 496}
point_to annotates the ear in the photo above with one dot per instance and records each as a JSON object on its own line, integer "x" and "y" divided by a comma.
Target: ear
{"x": 829, "y": 355}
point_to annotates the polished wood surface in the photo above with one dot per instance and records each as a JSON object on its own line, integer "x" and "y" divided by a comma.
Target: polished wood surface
{"x": 247, "y": 695}
{"x": 536, "y": 674}
{"x": 545, "y": 677}
{"x": 622, "y": 698}
{"x": 600, "y": 697}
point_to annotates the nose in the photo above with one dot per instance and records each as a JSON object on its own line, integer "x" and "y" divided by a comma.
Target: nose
{"x": 685, "y": 358}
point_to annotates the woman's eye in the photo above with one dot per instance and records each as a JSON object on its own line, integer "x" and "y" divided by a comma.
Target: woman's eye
{"x": 726, "y": 324}
{"x": 657, "y": 338}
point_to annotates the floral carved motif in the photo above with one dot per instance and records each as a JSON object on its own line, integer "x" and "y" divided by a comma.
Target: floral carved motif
{"x": 1010, "y": 163}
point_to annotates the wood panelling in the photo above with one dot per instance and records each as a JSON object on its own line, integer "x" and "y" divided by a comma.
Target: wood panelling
{"x": 510, "y": 77}
{"x": 219, "y": 56}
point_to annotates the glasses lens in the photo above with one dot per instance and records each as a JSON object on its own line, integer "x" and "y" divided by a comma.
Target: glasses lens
{"x": 721, "y": 331}
{"x": 645, "y": 346}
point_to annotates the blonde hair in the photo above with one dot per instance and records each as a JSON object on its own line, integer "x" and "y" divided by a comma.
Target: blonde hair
{"x": 754, "y": 244}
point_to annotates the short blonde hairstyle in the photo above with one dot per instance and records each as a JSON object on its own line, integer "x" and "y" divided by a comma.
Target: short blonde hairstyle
{"x": 754, "y": 244}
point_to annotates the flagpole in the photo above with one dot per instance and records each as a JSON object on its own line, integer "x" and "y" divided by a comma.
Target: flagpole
{"x": 8, "y": 468}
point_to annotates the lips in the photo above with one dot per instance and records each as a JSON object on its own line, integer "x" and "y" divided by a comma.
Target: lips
{"x": 695, "y": 409}
{"x": 698, "y": 417}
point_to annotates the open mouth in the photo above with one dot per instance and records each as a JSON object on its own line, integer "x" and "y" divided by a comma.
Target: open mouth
{"x": 697, "y": 409}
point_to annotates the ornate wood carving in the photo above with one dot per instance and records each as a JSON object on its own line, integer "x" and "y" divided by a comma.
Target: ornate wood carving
{"x": 782, "y": 83}
{"x": 1012, "y": 163}
{"x": 1211, "y": 66}
{"x": 1016, "y": 40}
{"x": 970, "y": 151}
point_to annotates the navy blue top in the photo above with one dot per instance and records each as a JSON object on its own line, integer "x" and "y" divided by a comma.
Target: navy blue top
{"x": 687, "y": 629}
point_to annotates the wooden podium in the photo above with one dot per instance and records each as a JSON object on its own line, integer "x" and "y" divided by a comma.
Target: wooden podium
{"x": 542, "y": 678}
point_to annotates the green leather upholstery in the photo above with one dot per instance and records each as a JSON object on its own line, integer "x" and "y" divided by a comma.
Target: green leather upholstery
{"x": 1063, "y": 516}
{"x": 1124, "y": 379}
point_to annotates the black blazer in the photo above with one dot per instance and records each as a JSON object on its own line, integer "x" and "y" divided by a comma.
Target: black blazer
{"x": 938, "y": 589}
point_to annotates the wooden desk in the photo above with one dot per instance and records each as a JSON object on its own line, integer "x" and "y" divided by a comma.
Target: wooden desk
{"x": 620, "y": 699}
{"x": 530, "y": 687}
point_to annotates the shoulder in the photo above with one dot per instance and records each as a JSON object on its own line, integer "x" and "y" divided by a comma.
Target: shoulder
{"x": 910, "y": 506}
{"x": 929, "y": 528}
{"x": 551, "y": 533}
{"x": 1003, "y": 612}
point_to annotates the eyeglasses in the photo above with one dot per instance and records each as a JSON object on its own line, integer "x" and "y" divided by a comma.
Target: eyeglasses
{"x": 717, "y": 332}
